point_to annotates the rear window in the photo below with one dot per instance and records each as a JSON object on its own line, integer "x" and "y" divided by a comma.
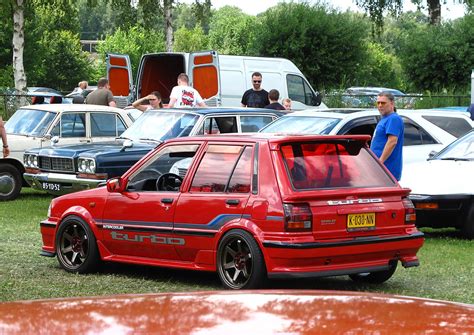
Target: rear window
{"x": 333, "y": 165}
{"x": 456, "y": 126}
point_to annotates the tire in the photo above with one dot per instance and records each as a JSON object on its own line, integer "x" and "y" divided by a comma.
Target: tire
{"x": 377, "y": 277}
{"x": 467, "y": 228}
{"x": 10, "y": 182}
{"x": 240, "y": 262}
{"x": 76, "y": 246}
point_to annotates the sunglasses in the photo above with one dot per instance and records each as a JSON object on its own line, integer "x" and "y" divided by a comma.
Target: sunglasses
{"x": 383, "y": 103}
{"x": 257, "y": 81}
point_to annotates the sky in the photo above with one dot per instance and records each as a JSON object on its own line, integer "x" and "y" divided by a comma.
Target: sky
{"x": 450, "y": 11}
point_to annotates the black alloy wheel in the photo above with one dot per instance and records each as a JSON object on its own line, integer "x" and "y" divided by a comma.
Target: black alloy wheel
{"x": 240, "y": 262}
{"x": 76, "y": 246}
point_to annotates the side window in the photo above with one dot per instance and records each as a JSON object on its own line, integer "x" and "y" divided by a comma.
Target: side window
{"x": 416, "y": 136}
{"x": 219, "y": 125}
{"x": 71, "y": 125}
{"x": 299, "y": 90}
{"x": 456, "y": 126}
{"x": 165, "y": 171}
{"x": 252, "y": 124}
{"x": 224, "y": 168}
{"x": 106, "y": 124}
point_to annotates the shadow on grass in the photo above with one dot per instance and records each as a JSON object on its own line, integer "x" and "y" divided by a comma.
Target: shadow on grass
{"x": 442, "y": 233}
{"x": 203, "y": 280}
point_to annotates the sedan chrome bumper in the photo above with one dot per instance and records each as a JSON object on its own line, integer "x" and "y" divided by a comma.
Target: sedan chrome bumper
{"x": 59, "y": 184}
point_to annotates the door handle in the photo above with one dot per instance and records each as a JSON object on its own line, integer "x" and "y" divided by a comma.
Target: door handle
{"x": 232, "y": 201}
{"x": 167, "y": 200}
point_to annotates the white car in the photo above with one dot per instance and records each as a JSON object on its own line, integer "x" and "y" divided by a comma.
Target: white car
{"x": 425, "y": 130}
{"x": 35, "y": 125}
{"x": 443, "y": 187}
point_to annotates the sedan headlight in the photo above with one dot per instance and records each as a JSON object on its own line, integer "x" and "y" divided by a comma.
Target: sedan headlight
{"x": 30, "y": 160}
{"x": 86, "y": 165}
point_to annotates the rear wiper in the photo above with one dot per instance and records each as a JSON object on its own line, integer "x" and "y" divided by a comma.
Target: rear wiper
{"x": 455, "y": 159}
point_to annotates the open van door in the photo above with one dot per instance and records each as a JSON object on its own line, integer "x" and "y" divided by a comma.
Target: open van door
{"x": 204, "y": 76}
{"x": 119, "y": 74}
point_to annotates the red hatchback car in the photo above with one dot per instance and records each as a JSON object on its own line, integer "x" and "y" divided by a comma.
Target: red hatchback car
{"x": 246, "y": 206}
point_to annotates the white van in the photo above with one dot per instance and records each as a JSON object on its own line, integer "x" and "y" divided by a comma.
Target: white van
{"x": 220, "y": 79}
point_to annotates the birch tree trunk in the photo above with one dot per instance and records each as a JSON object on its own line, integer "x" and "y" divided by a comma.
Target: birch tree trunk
{"x": 167, "y": 7}
{"x": 18, "y": 46}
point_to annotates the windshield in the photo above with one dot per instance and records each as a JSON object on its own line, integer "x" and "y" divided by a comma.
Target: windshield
{"x": 31, "y": 122}
{"x": 159, "y": 125}
{"x": 302, "y": 125}
{"x": 462, "y": 149}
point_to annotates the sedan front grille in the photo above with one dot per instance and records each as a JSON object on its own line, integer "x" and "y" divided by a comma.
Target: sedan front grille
{"x": 56, "y": 164}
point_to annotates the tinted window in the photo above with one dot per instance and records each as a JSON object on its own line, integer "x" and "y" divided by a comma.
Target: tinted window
{"x": 416, "y": 136}
{"x": 214, "y": 171}
{"x": 454, "y": 125}
{"x": 218, "y": 125}
{"x": 106, "y": 124}
{"x": 254, "y": 123}
{"x": 332, "y": 165}
{"x": 71, "y": 125}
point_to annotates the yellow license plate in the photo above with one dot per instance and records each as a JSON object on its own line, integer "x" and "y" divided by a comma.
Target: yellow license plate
{"x": 361, "y": 221}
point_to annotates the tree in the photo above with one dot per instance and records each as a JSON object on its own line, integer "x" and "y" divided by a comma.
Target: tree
{"x": 326, "y": 45}
{"x": 190, "y": 40}
{"x": 18, "y": 45}
{"x": 232, "y": 31}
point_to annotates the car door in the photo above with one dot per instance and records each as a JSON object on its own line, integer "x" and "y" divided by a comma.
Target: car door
{"x": 139, "y": 221}
{"x": 203, "y": 71}
{"x": 71, "y": 128}
{"x": 119, "y": 74}
{"x": 216, "y": 195}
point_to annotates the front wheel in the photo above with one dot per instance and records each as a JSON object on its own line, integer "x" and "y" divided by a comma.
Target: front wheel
{"x": 10, "y": 182}
{"x": 76, "y": 246}
{"x": 377, "y": 277}
{"x": 240, "y": 262}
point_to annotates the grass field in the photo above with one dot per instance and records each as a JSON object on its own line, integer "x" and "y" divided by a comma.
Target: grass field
{"x": 446, "y": 271}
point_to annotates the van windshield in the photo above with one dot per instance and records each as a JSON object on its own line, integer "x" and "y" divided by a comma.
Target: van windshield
{"x": 336, "y": 164}
{"x": 31, "y": 122}
{"x": 161, "y": 125}
{"x": 302, "y": 125}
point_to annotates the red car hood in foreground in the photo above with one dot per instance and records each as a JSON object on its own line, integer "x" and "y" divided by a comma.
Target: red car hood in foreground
{"x": 246, "y": 312}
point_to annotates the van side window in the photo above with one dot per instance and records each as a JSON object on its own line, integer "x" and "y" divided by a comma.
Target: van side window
{"x": 299, "y": 90}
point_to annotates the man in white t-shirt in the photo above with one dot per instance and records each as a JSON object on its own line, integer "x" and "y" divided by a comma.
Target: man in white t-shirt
{"x": 183, "y": 95}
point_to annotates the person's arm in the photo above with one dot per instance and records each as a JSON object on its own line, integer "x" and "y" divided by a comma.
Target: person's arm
{"x": 202, "y": 104}
{"x": 388, "y": 148}
{"x": 110, "y": 98}
{"x": 138, "y": 103}
{"x": 3, "y": 134}
{"x": 112, "y": 104}
{"x": 171, "y": 103}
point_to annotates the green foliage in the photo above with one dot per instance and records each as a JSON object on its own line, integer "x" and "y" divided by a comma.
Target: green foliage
{"x": 440, "y": 57}
{"x": 231, "y": 31}
{"x": 327, "y": 46}
{"x": 65, "y": 63}
{"x": 379, "y": 68}
{"x": 190, "y": 40}
{"x": 134, "y": 42}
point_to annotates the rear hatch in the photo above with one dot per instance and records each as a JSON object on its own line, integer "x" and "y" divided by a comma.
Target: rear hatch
{"x": 336, "y": 188}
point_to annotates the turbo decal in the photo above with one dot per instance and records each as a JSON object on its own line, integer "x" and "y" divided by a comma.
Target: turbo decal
{"x": 353, "y": 201}
{"x": 157, "y": 239}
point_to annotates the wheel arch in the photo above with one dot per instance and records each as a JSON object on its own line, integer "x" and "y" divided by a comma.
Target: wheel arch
{"x": 83, "y": 214}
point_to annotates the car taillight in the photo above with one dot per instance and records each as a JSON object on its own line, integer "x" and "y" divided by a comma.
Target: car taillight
{"x": 298, "y": 217}
{"x": 410, "y": 215}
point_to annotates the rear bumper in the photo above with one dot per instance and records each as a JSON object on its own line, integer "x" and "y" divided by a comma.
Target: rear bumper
{"x": 334, "y": 258}
{"x": 59, "y": 184}
{"x": 451, "y": 211}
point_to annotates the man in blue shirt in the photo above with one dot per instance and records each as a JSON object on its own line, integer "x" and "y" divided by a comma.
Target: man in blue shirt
{"x": 387, "y": 141}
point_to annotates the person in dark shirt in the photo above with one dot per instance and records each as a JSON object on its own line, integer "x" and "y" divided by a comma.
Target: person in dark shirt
{"x": 273, "y": 96}
{"x": 256, "y": 96}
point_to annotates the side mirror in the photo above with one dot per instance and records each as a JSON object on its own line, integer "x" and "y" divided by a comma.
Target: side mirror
{"x": 317, "y": 99}
{"x": 432, "y": 154}
{"x": 54, "y": 140}
{"x": 126, "y": 144}
{"x": 116, "y": 185}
